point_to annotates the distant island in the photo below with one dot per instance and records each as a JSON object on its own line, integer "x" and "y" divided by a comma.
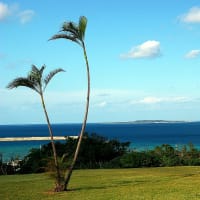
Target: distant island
{"x": 158, "y": 121}
{"x": 151, "y": 122}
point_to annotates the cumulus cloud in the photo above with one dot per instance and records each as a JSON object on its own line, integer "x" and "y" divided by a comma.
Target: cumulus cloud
{"x": 101, "y": 104}
{"x": 192, "y": 16}
{"x": 148, "y": 49}
{"x": 69, "y": 105}
{"x": 116, "y": 97}
{"x": 4, "y": 11}
{"x": 150, "y": 100}
{"x": 26, "y": 16}
{"x": 180, "y": 99}
{"x": 12, "y": 10}
{"x": 193, "y": 54}
{"x": 154, "y": 100}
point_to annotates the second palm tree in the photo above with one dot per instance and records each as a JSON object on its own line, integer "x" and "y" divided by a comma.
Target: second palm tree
{"x": 35, "y": 82}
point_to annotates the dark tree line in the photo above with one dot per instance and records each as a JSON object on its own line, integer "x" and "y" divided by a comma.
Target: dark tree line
{"x": 96, "y": 152}
{"x": 161, "y": 156}
{"x": 99, "y": 152}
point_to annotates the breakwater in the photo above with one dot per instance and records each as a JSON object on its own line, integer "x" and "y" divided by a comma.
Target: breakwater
{"x": 20, "y": 139}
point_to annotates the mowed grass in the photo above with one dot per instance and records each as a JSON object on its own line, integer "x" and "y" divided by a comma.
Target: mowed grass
{"x": 172, "y": 183}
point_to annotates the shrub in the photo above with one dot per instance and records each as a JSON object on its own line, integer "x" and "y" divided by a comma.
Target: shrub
{"x": 96, "y": 152}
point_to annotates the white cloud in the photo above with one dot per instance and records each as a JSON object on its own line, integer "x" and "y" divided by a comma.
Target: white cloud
{"x": 101, "y": 104}
{"x": 13, "y": 10}
{"x": 150, "y": 100}
{"x": 26, "y": 16}
{"x": 148, "y": 49}
{"x": 130, "y": 97}
{"x": 115, "y": 97}
{"x": 192, "y": 16}
{"x": 154, "y": 100}
{"x": 69, "y": 106}
{"x": 4, "y": 11}
{"x": 193, "y": 54}
{"x": 180, "y": 99}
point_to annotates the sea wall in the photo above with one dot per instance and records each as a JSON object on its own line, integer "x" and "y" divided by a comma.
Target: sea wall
{"x": 10, "y": 139}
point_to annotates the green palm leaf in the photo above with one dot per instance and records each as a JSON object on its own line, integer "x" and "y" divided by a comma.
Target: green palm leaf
{"x": 65, "y": 36}
{"x": 34, "y": 75}
{"x": 72, "y": 31}
{"x": 82, "y": 27}
{"x": 70, "y": 28}
{"x": 51, "y": 75}
{"x": 34, "y": 79}
{"x": 21, "y": 81}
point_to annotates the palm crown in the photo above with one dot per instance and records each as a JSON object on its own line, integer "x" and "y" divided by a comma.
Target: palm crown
{"x": 72, "y": 31}
{"x": 34, "y": 80}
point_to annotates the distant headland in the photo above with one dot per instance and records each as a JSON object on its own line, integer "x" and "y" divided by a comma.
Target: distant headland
{"x": 151, "y": 122}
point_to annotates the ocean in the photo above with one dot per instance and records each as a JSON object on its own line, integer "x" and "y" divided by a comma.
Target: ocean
{"x": 142, "y": 136}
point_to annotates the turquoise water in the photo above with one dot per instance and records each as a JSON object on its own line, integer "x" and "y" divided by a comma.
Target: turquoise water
{"x": 141, "y": 136}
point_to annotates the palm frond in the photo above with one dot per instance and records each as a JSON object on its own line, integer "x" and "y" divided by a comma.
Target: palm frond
{"x": 64, "y": 156}
{"x": 51, "y": 75}
{"x": 21, "y": 81}
{"x": 34, "y": 69}
{"x": 70, "y": 27}
{"x": 35, "y": 74}
{"x": 65, "y": 36}
{"x": 82, "y": 27}
{"x": 42, "y": 69}
{"x": 72, "y": 31}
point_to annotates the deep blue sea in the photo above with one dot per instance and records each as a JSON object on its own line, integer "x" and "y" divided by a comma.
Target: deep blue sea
{"x": 141, "y": 136}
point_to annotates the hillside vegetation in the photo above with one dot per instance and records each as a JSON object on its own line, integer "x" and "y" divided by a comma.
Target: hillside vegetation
{"x": 166, "y": 183}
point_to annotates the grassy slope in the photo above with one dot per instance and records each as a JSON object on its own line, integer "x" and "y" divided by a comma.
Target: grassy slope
{"x": 119, "y": 184}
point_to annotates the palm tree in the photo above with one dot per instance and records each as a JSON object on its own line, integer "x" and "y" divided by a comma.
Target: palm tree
{"x": 76, "y": 33}
{"x": 35, "y": 81}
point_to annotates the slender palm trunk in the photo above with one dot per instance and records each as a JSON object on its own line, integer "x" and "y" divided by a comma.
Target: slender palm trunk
{"x": 58, "y": 177}
{"x": 71, "y": 167}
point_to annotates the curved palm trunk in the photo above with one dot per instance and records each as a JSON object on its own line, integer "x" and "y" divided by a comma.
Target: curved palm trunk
{"x": 58, "y": 177}
{"x": 71, "y": 167}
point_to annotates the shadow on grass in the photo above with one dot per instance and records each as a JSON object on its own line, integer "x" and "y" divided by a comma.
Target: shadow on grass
{"x": 103, "y": 187}
{"x": 88, "y": 188}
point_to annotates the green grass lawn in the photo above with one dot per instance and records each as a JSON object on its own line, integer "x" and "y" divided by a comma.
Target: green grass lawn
{"x": 171, "y": 183}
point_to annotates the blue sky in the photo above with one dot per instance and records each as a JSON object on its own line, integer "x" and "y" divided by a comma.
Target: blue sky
{"x": 144, "y": 58}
